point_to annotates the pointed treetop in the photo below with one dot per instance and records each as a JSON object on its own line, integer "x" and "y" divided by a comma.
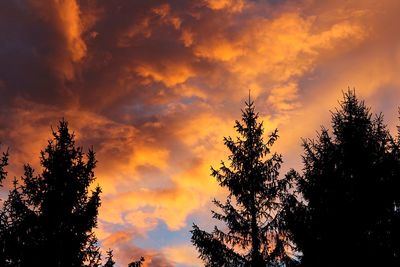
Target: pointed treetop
{"x": 3, "y": 163}
{"x": 110, "y": 262}
{"x": 249, "y": 103}
{"x": 138, "y": 263}
{"x": 62, "y": 207}
{"x": 253, "y": 208}
{"x": 398, "y": 127}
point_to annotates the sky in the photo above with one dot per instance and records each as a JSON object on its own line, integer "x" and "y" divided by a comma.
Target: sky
{"x": 154, "y": 86}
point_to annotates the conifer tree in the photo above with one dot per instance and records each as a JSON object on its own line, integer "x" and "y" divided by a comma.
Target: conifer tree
{"x": 3, "y": 220}
{"x": 350, "y": 186}
{"x": 93, "y": 254}
{"x": 51, "y": 215}
{"x": 3, "y": 164}
{"x": 19, "y": 239}
{"x": 253, "y": 212}
{"x": 393, "y": 193}
{"x": 110, "y": 262}
{"x": 138, "y": 263}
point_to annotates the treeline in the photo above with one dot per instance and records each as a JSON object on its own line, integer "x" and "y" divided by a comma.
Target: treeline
{"x": 341, "y": 209}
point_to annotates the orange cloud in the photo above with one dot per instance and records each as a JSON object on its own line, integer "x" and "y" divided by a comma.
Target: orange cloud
{"x": 155, "y": 86}
{"x": 183, "y": 254}
{"x": 65, "y": 16}
{"x": 69, "y": 14}
{"x": 230, "y": 5}
{"x": 220, "y": 49}
{"x": 284, "y": 98}
{"x": 169, "y": 73}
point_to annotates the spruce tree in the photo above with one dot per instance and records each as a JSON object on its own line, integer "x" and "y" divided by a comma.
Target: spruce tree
{"x": 350, "y": 188}
{"x": 19, "y": 238}
{"x": 393, "y": 193}
{"x": 110, "y": 261}
{"x": 3, "y": 164}
{"x": 253, "y": 212}
{"x": 3, "y": 219}
{"x": 52, "y": 215}
{"x": 137, "y": 263}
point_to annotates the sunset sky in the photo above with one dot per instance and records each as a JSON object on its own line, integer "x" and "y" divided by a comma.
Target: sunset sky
{"x": 154, "y": 86}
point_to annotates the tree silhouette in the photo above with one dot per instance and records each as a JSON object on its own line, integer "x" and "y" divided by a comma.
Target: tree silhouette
{"x": 255, "y": 207}
{"x": 350, "y": 186}
{"x": 138, "y": 263}
{"x": 3, "y": 164}
{"x": 3, "y": 218}
{"x": 18, "y": 237}
{"x": 51, "y": 216}
{"x": 110, "y": 262}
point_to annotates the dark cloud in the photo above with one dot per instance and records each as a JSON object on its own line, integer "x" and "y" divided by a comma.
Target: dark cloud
{"x": 155, "y": 85}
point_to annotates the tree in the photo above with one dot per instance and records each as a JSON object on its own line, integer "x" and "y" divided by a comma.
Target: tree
{"x": 3, "y": 164}
{"x": 110, "y": 262}
{"x": 3, "y": 219}
{"x": 18, "y": 237}
{"x": 393, "y": 193}
{"x": 255, "y": 207}
{"x": 51, "y": 215}
{"x": 138, "y": 263}
{"x": 350, "y": 186}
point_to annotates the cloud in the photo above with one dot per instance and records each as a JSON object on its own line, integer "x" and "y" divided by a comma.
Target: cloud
{"x": 183, "y": 254}
{"x": 66, "y": 18}
{"x": 125, "y": 251}
{"x": 170, "y": 74}
{"x": 230, "y": 5}
{"x": 155, "y": 85}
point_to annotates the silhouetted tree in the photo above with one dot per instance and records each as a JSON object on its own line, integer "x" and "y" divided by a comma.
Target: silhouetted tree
{"x": 93, "y": 255}
{"x": 393, "y": 193}
{"x": 254, "y": 210}
{"x": 51, "y": 215}
{"x": 18, "y": 237}
{"x": 110, "y": 262}
{"x": 3, "y": 219}
{"x": 3, "y": 164}
{"x": 350, "y": 185}
{"x": 138, "y": 263}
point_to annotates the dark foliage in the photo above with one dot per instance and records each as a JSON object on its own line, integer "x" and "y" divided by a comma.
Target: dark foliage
{"x": 350, "y": 185}
{"x": 3, "y": 219}
{"x": 255, "y": 207}
{"x": 138, "y": 263}
{"x": 50, "y": 216}
{"x": 3, "y": 164}
{"x": 110, "y": 262}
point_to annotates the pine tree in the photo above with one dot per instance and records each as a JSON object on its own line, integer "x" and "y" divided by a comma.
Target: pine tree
{"x": 3, "y": 164}
{"x": 393, "y": 193}
{"x": 18, "y": 237}
{"x": 350, "y": 187}
{"x": 3, "y": 219}
{"x": 138, "y": 263}
{"x": 110, "y": 262}
{"x": 93, "y": 254}
{"x": 52, "y": 215}
{"x": 255, "y": 207}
